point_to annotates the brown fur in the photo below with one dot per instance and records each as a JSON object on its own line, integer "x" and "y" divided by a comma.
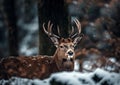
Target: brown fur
{"x": 27, "y": 67}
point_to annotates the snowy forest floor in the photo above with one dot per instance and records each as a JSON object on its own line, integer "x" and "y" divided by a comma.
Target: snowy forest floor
{"x": 98, "y": 77}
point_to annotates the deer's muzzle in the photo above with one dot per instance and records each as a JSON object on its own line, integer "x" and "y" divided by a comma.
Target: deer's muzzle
{"x": 68, "y": 65}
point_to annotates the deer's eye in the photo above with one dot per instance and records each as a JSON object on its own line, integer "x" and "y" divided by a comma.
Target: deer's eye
{"x": 61, "y": 46}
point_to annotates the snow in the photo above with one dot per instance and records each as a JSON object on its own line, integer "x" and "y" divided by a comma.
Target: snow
{"x": 98, "y": 77}
{"x": 28, "y": 47}
{"x": 112, "y": 59}
{"x": 87, "y": 65}
{"x": 76, "y": 65}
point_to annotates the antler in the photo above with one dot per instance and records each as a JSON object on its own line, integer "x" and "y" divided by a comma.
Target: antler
{"x": 78, "y": 27}
{"x": 49, "y": 28}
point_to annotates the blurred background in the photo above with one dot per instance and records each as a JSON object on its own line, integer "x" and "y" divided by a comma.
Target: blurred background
{"x": 21, "y": 30}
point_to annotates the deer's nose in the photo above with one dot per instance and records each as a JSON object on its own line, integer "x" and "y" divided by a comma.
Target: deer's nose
{"x": 70, "y": 53}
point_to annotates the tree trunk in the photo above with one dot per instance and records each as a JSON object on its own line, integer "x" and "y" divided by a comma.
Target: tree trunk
{"x": 56, "y": 12}
{"x": 3, "y": 33}
{"x": 9, "y": 8}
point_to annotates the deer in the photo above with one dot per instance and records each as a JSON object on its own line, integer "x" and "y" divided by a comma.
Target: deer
{"x": 42, "y": 66}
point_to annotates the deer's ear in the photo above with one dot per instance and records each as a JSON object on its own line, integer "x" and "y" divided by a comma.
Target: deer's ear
{"x": 77, "y": 39}
{"x": 55, "y": 41}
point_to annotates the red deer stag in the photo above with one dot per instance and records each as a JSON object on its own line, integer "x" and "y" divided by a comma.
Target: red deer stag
{"x": 42, "y": 66}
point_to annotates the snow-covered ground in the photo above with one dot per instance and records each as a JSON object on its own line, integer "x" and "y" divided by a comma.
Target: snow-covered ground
{"x": 98, "y": 77}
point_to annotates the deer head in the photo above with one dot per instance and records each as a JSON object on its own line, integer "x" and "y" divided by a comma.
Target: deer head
{"x": 65, "y": 55}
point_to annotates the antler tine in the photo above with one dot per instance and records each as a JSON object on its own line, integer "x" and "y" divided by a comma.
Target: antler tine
{"x": 74, "y": 35}
{"x": 49, "y": 28}
{"x": 45, "y": 29}
{"x": 78, "y": 25}
{"x": 71, "y": 31}
{"x": 58, "y": 29}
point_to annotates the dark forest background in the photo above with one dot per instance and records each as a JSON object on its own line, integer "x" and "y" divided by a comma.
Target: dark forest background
{"x": 21, "y": 22}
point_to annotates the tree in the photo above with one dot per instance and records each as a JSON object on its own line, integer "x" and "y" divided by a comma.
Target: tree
{"x": 9, "y": 9}
{"x": 56, "y": 12}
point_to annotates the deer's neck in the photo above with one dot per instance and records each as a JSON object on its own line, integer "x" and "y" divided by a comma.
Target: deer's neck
{"x": 57, "y": 61}
{"x": 53, "y": 67}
